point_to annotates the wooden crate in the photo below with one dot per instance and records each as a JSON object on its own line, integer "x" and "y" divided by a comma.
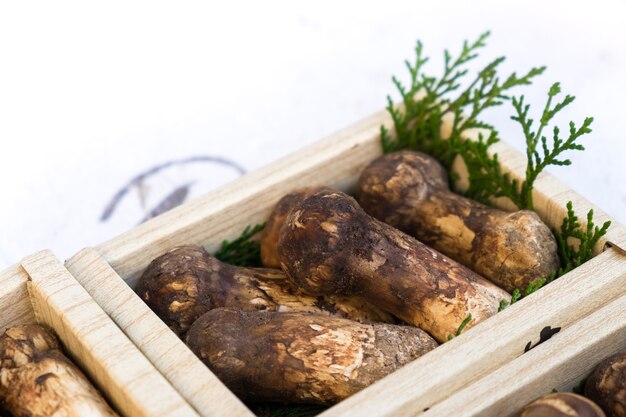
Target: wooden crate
{"x": 110, "y": 271}
{"x": 560, "y": 363}
{"x": 40, "y": 290}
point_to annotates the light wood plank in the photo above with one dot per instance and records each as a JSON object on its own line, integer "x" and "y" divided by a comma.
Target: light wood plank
{"x": 560, "y": 363}
{"x": 131, "y": 383}
{"x": 15, "y": 307}
{"x": 161, "y": 346}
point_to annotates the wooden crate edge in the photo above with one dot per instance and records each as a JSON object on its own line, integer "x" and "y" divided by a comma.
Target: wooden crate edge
{"x": 97, "y": 344}
{"x": 559, "y": 363}
{"x": 170, "y": 356}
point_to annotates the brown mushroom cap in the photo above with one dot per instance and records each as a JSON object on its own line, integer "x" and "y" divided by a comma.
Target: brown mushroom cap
{"x": 562, "y": 404}
{"x": 607, "y": 385}
{"x": 271, "y": 231}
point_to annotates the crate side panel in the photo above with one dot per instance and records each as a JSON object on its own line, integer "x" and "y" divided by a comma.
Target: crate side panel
{"x": 161, "y": 346}
{"x": 101, "y": 349}
{"x": 559, "y": 363}
{"x": 15, "y": 306}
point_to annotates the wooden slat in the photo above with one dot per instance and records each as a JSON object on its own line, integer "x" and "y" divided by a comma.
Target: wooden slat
{"x": 161, "y": 346}
{"x": 560, "y": 363}
{"x": 131, "y": 383}
{"x": 15, "y": 307}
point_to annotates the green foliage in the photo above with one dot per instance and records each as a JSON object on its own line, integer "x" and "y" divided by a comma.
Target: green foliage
{"x": 461, "y": 327}
{"x": 418, "y": 125}
{"x": 537, "y": 161}
{"x": 571, "y": 254}
{"x": 515, "y": 296}
{"x": 428, "y": 100}
{"x": 243, "y": 251}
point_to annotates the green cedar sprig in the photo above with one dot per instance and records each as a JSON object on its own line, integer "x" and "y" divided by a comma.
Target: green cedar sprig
{"x": 571, "y": 229}
{"x": 428, "y": 100}
{"x": 550, "y": 155}
{"x": 244, "y": 250}
{"x": 461, "y": 327}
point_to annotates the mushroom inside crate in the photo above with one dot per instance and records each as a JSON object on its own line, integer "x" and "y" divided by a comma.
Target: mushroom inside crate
{"x": 326, "y": 246}
{"x": 607, "y": 385}
{"x": 338, "y": 276}
{"x": 410, "y": 191}
{"x": 336, "y": 263}
{"x": 562, "y": 404}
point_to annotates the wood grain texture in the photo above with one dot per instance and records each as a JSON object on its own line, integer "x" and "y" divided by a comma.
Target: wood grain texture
{"x": 97, "y": 345}
{"x": 15, "y": 307}
{"x": 337, "y": 161}
{"x": 559, "y": 363}
{"x": 37, "y": 379}
{"x": 204, "y": 391}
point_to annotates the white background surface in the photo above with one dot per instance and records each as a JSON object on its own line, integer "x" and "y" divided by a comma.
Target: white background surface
{"x": 93, "y": 94}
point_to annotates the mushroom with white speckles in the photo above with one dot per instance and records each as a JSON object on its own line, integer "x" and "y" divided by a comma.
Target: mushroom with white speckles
{"x": 409, "y": 190}
{"x": 300, "y": 357}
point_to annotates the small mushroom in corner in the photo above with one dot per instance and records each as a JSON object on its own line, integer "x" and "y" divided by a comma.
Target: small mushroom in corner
{"x": 562, "y": 404}
{"x": 607, "y": 385}
{"x": 36, "y": 379}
